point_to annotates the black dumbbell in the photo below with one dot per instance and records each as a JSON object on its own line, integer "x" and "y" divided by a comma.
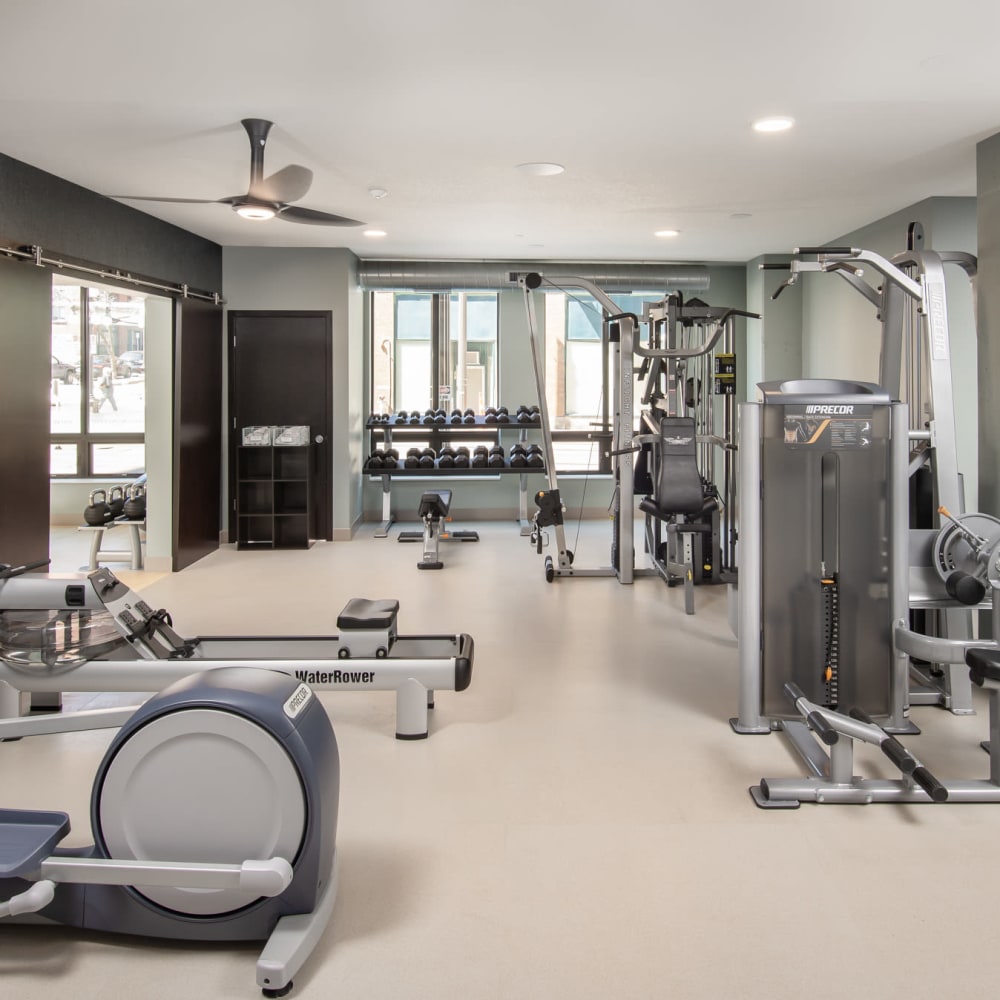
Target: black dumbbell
{"x": 375, "y": 461}
{"x": 468, "y": 419}
{"x": 503, "y": 409}
{"x": 412, "y": 460}
{"x": 446, "y": 461}
{"x": 503, "y": 418}
{"x": 427, "y": 461}
{"x": 535, "y": 460}
{"x": 469, "y": 412}
{"x": 440, "y": 418}
{"x": 462, "y": 450}
{"x": 479, "y": 460}
{"x": 496, "y": 460}
{"x": 414, "y": 419}
{"x": 462, "y": 460}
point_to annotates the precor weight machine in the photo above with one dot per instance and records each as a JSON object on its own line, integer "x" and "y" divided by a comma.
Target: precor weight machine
{"x": 669, "y": 362}
{"x": 915, "y": 366}
{"x": 824, "y": 634}
{"x": 93, "y": 633}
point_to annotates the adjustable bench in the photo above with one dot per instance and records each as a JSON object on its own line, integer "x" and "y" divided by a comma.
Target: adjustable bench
{"x": 433, "y": 511}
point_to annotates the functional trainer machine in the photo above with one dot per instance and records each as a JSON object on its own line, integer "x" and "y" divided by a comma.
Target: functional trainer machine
{"x": 824, "y": 634}
{"x": 675, "y": 355}
{"x": 915, "y": 366}
{"x": 93, "y": 633}
{"x": 433, "y": 511}
{"x": 214, "y": 817}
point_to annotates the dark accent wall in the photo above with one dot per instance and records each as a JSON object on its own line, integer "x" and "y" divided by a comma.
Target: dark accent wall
{"x": 72, "y": 223}
{"x": 40, "y": 209}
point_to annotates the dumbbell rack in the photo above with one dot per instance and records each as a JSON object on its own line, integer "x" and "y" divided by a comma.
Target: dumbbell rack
{"x": 382, "y": 435}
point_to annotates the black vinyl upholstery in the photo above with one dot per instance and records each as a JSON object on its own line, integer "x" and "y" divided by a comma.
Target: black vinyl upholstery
{"x": 678, "y": 487}
{"x": 434, "y": 504}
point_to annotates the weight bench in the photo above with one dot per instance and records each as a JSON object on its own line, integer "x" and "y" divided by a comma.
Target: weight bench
{"x": 433, "y": 511}
{"x": 99, "y": 555}
{"x": 680, "y": 502}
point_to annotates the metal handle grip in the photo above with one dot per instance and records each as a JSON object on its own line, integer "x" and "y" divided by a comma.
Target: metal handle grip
{"x": 826, "y": 250}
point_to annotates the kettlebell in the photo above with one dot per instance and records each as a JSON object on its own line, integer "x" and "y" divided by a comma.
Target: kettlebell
{"x": 135, "y": 505}
{"x": 98, "y": 512}
{"x": 116, "y": 500}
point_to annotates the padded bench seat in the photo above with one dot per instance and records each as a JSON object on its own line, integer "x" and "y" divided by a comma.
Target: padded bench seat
{"x": 360, "y": 613}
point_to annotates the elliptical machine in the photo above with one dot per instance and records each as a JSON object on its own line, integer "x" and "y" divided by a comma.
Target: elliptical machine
{"x": 214, "y": 816}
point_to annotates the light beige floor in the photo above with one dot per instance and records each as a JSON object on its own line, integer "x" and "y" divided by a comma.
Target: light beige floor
{"x": 576, "y": 826}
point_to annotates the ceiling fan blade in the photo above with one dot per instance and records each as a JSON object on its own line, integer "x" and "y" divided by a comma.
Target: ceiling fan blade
{"x": 288, "y": 184}
{"x": 310, "y": 217}
{"x": 177, "y": 201}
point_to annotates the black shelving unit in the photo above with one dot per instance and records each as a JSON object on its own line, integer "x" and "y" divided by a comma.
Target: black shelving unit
{"x": 272, "y": 504}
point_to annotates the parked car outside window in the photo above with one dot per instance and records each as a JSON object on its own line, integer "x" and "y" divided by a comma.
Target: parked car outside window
{"x": 135, "y": 360}
{"x": 64, "y": 371}
{"x": 98, "y": 362}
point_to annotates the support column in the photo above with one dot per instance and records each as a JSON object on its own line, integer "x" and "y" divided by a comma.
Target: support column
{"x": 988, "y": 321}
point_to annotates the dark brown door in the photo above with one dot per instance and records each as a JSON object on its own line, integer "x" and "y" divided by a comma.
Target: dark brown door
{"x": 197, "y": 500}
{"x": 281, "y": 373}
{"x": 25, "y": 374}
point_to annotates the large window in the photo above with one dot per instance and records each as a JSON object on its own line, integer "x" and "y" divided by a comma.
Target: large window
{"x": 433, "y": 350}
{"x": 98, "y": 381}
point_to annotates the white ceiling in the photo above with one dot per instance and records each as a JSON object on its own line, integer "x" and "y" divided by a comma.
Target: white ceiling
{"x": 647, "y": 103}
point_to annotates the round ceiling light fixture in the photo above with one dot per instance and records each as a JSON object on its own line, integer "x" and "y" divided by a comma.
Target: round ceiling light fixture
{"x": 375, "y": 233}
{"x": 666, "y": 234}
{"x": 378, "y": 193}
{"x": 255, "y": 212}
{"x": 540, "y": 169}
{"x": 773, "y": 123}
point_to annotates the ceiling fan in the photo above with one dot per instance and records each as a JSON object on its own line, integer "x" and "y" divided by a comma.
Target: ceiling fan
{"x": 267, "y": 197}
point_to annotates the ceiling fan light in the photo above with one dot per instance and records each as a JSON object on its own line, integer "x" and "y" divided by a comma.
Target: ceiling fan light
{"x": 256, "y": 213}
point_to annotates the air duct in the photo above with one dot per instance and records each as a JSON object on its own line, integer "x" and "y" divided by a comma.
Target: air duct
{"x": 497, "y": 275}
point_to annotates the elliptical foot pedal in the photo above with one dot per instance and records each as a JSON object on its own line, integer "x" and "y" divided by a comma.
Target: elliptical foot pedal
{"x": 431, "y": 565}
{"x": 27, "y": 837}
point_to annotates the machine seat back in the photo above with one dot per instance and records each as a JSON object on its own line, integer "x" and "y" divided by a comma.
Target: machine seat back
{"x": 434, "y": 504}
{"x": 678, "y": 487}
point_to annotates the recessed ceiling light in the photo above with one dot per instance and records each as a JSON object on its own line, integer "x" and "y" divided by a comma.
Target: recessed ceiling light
{"x": 378, "y": 193}
{"x": 667, "y": 233}
{"x": 375, "y": 233}
{"x": 540, "y": 169}
{"x": 775, "y": 123}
